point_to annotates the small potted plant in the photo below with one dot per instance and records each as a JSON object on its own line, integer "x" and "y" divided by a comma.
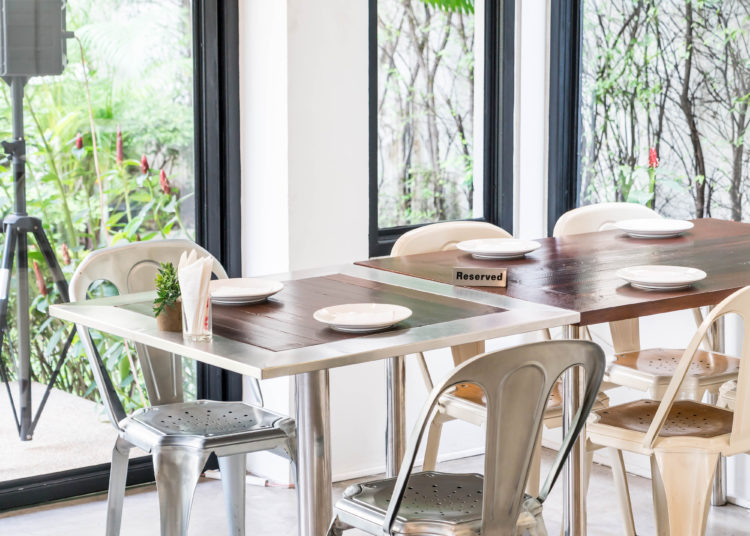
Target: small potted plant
{"x": 167, "y": 305}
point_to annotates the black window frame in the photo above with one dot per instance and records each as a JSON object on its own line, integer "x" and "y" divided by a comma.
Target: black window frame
{"x": 218, "y": 201}
{"x": 564, "y": 109}
{"x": 499, "y": 91}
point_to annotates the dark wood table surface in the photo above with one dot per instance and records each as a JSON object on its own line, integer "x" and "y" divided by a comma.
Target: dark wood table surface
{"x": 578, "y": 272}
{"x": 286, "y": 322}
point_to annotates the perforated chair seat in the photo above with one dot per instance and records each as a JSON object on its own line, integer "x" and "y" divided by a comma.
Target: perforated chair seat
{"x": 434, "y": 503}
{"x": 204, "y": 424}
{"x": 467, "y": 402}
{"x": 662, "y": 362}
{"x": 686, "y": 418}
{"x": 651, "y": 370}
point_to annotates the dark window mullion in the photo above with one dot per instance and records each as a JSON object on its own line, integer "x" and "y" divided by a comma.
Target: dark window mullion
{"x": 217, "y": 160}
{"x": 564, "y": 106}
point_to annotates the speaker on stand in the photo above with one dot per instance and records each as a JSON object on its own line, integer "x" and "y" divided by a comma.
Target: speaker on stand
{"x": 32, "y": 43}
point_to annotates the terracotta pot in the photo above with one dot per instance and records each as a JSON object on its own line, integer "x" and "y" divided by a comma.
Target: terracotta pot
{"x": 170, "y": 318}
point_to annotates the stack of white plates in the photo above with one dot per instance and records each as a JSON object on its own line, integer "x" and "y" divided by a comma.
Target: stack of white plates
{"x": 657, "y": 277}
{"x": 362, "y": 317}
{"x": 498, "y": 248}
{"x": 243, "y": 291}
{"x": 654, "y": 227}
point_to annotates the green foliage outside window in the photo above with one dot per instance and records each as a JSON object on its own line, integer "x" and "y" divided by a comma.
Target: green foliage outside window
{"x": 136, "y": 90}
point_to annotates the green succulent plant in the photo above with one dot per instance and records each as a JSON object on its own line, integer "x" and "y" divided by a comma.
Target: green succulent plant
{"x": 167, "y": 287}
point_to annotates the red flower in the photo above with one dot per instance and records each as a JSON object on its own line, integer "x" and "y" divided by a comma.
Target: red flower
{"x": 39, "y": 279}
{"x": 144, "y": 164}
{"x": 165, "y": 187}
{"x": 653, "y": 159}
{"x": 79, "y": 141}
{"x": 119, "y": 153}
{"x": 65, "y": 254}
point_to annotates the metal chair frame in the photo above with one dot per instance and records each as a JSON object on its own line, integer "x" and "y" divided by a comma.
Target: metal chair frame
{"x": 179, "y": 435}
{"x": 684, "y": 463}
{"x": 516, "y": 383}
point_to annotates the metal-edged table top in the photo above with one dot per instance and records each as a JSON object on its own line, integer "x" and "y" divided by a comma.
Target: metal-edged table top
{"x": 579, "y": 272}
{"x": 129, "y": 317}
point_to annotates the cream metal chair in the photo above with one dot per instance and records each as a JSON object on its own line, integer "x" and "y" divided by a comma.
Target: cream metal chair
{"x": 179, "y": 435}
{"x": 685, "y": 437}
{"x": 648, "y": 370}
{"x": 516, "y": 383}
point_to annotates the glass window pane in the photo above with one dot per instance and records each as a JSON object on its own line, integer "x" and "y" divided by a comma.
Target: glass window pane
{"x": 429, "y": 113}
{"x": 664, "y": 105}
{"x": 92, "y": 188}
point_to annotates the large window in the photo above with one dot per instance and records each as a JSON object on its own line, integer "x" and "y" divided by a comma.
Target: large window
{"x": 438, "y": 101}
{"x": 664, "y": 95}
{"x": 136, "y": 140}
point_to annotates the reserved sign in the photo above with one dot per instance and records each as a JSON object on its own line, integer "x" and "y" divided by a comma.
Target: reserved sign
{"x": 480, "y": 277}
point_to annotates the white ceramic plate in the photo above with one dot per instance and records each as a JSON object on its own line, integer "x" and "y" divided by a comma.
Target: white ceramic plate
{"x": 362, "y": 317}
{"x": 656, "y": 277}
{"x": 243, "y": 291}
{"x": 654, "y": 227}
{"x": 498, "y": 248}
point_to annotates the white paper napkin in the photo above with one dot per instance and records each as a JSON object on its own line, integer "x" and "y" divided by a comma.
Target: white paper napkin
{"x": 194, "y": 275}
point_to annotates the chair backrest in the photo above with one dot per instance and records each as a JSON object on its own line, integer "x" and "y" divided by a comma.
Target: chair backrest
{"x": 444, "y": 236}
{"x": 133, "y": 268}
{"x": 738, "y": 303}
{"x": 599, "y": 217}
{"x": 517, "y": 383}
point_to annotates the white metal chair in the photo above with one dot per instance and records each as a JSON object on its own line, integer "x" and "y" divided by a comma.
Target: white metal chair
{"x": 648, "y": 370}
{"x": 179, "y": 435}
{"x": 685, "y": 437}
{"x": 516, "y": 383}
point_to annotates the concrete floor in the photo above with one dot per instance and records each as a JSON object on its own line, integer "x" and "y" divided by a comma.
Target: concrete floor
{"x": 72, "y": 432}
{"x": 272, "y": 511}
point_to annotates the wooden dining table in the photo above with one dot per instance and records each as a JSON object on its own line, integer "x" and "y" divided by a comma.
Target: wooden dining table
{"x": 280, "y": 338}
{"x": 578, "y": 273}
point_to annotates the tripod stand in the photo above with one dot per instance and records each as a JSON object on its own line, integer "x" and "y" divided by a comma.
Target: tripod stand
{"x": 16, "y": 227}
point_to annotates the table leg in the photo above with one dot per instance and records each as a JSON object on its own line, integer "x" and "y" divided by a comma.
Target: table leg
{"x": 395, "y": 428}
{"x": 574, "y": 501}
{"x": 719, "y": 488}
{"x": 313, "y": 453}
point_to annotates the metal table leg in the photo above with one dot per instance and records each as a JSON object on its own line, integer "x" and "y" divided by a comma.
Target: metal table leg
{"x": 719, "y": 488}
{"x": 313, "y": 453}
{"x": 395, "y": 431}
{"x": 574, "y": 501}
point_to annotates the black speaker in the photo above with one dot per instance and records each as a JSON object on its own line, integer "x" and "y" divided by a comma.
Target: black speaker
{"x": 32, "y": 37}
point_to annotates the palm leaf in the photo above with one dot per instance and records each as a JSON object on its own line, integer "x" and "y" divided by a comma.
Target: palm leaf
{"x": 462, "y": 6}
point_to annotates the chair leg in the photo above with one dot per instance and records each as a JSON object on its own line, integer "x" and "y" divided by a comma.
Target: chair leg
{"x": 233, "y": 470}
{"x": 336, "y": 528}
{"x": 622, "y": 491}
{"x": 589, "y": 463}
{"x": 433, "y": 443}
{"x": 117, "y": 477}
{"x": 535, "y": 470}
{"x": 687, "y": 478}
{"x": 177, "y": 471}
{"x": 660, "y": 500}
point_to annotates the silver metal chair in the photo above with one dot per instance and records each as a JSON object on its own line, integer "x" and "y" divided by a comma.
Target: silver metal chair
{"x": 179, "y": 435}
{"x": 516, "y": 382}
